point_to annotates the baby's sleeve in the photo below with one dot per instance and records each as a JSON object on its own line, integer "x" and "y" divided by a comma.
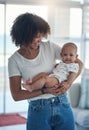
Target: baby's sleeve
{"x": 74, "y": 67}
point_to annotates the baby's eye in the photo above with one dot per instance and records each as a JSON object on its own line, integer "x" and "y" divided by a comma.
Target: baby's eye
{"x": 71, "y": 54}
{"x": 65, "y": 54}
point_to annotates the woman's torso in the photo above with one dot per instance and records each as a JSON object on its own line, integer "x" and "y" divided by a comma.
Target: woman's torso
{"x": 44, "y": 62}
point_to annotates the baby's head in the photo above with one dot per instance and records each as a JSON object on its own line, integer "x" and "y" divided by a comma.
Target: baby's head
{"x": 69, "y": 52}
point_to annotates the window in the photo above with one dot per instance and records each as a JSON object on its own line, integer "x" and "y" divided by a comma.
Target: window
{"x": 2, "y": 59}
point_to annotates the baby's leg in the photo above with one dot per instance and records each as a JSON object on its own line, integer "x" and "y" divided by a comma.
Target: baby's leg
{"x": 38, "y": 84}
{"x": 51, "y": 81}
{"x": 40, "y": 75}
{"x": 37, "y": 77}
{"x": 35, "y": 85}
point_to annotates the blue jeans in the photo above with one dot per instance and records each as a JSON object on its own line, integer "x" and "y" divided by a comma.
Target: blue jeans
{"x": 50, "y": 114}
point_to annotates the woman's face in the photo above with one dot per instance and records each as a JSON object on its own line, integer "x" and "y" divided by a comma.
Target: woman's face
{"x": 36, "y": 41}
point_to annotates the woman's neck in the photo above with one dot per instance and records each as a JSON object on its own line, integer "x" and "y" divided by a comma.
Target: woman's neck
{"x": 28, "y": 52}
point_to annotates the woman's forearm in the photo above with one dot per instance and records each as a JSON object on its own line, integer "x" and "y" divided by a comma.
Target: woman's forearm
{"x": 80, "y": 63}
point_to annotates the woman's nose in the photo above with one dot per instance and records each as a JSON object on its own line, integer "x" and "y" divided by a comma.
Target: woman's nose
{"x": 39, "y": 39}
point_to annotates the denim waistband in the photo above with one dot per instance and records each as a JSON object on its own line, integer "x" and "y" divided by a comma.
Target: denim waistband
{"x": 57, "y": 99}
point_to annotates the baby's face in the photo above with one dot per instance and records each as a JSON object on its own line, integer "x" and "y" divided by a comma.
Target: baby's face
{"x": 69, "y": 54}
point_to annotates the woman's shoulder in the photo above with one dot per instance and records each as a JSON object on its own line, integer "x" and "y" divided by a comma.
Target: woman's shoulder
{"x": 50, "y": 44}
{"x": 51, "y": 48}
{"x": 14, "y": 56}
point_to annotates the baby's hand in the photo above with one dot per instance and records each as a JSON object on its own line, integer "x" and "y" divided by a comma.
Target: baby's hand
{"x": 57, "y": 85}
{"x": 65, "y": 84}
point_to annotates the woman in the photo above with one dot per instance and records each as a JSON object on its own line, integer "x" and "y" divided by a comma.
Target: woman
{"x": 49, "y": 108}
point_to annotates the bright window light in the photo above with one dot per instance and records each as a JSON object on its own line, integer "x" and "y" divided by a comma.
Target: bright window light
{"x": 75, "y": 22}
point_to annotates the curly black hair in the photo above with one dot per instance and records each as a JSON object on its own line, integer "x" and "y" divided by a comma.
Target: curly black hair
{"x": 25, "y": 28}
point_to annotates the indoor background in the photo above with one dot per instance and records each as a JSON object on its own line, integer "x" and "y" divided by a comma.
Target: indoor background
{"x": 69, "y": 21}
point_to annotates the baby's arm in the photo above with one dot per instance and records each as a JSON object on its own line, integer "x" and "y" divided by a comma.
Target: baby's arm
{"x": 65, "y": 85}
{"x": 72, "y": 76}
{"x": 73, "y": 71}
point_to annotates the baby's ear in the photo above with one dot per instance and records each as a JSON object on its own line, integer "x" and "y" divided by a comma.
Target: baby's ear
{"x": 60, "y": 54}
{"x": 77, "y": 56}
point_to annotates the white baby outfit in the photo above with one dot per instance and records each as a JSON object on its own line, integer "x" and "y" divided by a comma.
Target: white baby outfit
{"x": 62, "y": 70}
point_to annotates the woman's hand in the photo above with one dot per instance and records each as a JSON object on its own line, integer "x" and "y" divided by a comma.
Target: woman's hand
{"x": 56, "y": 90}
{"x": 62, "y": 88}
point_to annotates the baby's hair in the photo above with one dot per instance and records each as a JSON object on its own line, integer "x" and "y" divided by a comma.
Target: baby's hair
{"x": 69, "y": 44}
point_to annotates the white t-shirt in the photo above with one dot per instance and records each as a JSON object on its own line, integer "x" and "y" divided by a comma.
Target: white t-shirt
{"x": 28, "y": 68}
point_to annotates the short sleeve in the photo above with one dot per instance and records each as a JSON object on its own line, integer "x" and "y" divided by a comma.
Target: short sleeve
{"x": 13, "y": 68}
{"x": 73, "y": 67}
{"x": 57, "y": 50}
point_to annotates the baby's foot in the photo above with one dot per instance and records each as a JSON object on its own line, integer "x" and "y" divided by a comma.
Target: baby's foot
{"x": 26, "y": 86}
{"x": 29, "y": 81}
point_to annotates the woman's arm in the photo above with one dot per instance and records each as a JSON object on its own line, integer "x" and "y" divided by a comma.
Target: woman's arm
{"x": 80, "y": 66}
{"x": 18, "y": 93}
